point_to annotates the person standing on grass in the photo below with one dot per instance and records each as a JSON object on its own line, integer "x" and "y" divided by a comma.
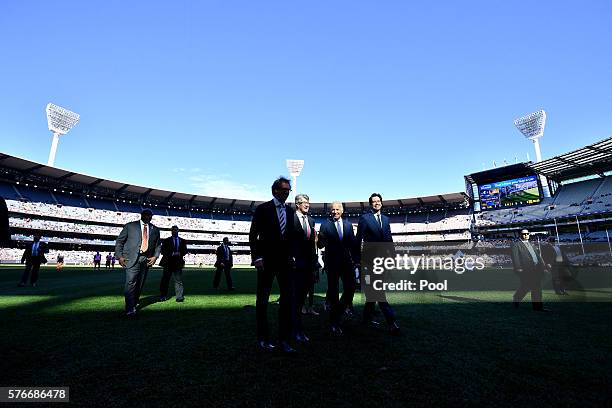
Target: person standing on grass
{"x": 374, "y": 227}
{"x": 59, "y": 262}
{"x": 306, "y": 262}
{"x": 97, "y": 261}
{"x": 173, "y": 249}
{"x": 224, "y": 264}
{"x": 137, "y": 248}
{"x": 270, "y": 242}
{"x": 337, "y": 237}
{"x": 108, "y": 261}
{"x": 33, "y": 256}
{"x": 529, "y": 266}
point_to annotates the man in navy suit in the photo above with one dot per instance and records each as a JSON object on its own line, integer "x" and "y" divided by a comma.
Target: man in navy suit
{"x": 173, "y": 251}
{"x": 337, "y": 237}
{"x": 306, "y": 261}
{"x": 271, "y": 252}
{"x": 374, "y": 227}
{"x": 224, "y": 264}
{"x": 33, "y": 256}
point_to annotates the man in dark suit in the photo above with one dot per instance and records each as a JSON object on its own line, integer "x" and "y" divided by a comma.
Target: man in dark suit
{"x": 5, "y": 232}
{"x": 224, "y": 264}
{"x": 374, "y": 227}
{"x": 556, "y": 263}
{"x": 270, "y": 242}
{"x": 529, "y": 266}
{"x": 137, "y": 248}
{"x": 337, "y": 237}
{"x": 173, "y": 249}
{"x": 306, "y": 261}
{"x": 33, "y": 256}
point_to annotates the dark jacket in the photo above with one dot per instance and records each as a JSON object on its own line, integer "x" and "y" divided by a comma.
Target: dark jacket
{"x": 304, "y": 248}
{"x": 339, "y": 254}
{"x": 39, "y": 258}
{"x": 370, "y": 231}
{"x": 167, "y": 249}
{"x": 265, "y": 237}
{"x": 221, "y": 257}
{"x": 522, "y": 261}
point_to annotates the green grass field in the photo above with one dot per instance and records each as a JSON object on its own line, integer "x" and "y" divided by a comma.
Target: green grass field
{"x": 461, "y": 348}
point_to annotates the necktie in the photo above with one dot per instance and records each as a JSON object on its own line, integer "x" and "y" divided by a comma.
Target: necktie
{"x": 281, "y": 218}
{"x": 306, "y": 227}
{"x": 379, "y": 220}
{"x": 226, "y": 252}
{"x": 534, "y": 257}
{"x": 339, "y": 228}
{"x": 145, "y": 239}
{"x": 35, "y": 249}
{"x": 176, "y": 245}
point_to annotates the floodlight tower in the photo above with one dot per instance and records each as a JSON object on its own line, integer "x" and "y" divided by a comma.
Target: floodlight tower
{"x": 60, "y": 121}
{"x": 532, "y": 127}
{"x": 295, "y": 168}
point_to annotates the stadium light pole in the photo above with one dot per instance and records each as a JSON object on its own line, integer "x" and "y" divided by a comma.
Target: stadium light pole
{"x": 295, "y": 168}
{"x": 60, "y": 121}
{"x": 532, "y": 127}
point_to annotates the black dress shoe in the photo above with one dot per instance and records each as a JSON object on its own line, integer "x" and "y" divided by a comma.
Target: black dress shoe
{"x": 286, "y": 348}
{"x": 264, "y": 345}
{"x": 180, "y": 300}
{"x": 301, "y": 338}
{"x": 163, "y": 298}
{"x": 336, "y": 331}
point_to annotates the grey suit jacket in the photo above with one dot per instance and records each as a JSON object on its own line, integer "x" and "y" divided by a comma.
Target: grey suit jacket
{"x": 522, "y": 260}
{"x": 129, "y": 241}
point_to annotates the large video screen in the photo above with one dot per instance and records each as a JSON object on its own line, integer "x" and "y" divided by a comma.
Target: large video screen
{"x": 509, "y": 193}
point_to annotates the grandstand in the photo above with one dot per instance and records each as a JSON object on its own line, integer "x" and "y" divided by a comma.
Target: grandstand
{"x": 79, "y": 214}
{"x": 579, "y": 213}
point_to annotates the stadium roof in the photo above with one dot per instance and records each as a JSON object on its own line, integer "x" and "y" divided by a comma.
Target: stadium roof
{"x": 84, "y": 183}
{"x": 594, "y": 159}
{"x": 586, "y": 161}
{"x": 500, "y": 173}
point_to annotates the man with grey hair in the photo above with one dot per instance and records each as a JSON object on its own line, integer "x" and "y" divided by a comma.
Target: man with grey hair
{"x": 341, "y": 252}
{"x": 306, "y": 261}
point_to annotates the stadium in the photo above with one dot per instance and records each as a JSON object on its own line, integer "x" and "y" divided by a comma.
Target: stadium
{"x": 306, "y": 204}
{"x": 66, "y": 326}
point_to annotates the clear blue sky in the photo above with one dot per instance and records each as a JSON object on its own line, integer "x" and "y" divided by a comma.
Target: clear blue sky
{"x": 211, "y": 97}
